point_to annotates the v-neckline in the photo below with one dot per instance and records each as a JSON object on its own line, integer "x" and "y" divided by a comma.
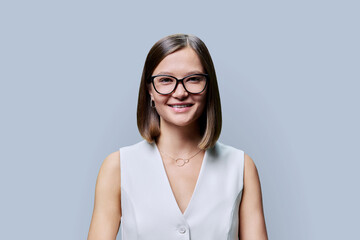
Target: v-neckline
{"x": 164, "y": 173}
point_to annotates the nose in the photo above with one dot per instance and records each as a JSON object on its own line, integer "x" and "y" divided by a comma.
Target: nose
{"x": 180, "y": 91}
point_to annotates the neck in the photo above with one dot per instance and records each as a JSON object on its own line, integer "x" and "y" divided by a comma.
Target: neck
{"x": 178, "y": 141}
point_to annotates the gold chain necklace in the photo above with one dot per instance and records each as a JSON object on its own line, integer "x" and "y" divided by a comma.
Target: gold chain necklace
{"x": 181, "y": 161}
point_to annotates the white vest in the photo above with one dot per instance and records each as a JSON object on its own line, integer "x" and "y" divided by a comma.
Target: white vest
{"x": 150, "y": 211}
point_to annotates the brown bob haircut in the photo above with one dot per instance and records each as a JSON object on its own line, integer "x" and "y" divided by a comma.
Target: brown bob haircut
{"x": 148, "y": 120}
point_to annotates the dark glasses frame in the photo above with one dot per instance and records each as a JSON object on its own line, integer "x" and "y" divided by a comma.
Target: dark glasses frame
{"x": 180, "y": 80}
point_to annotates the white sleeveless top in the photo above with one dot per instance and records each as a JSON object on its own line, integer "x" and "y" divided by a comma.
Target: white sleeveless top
{"x": 150, "y": 211}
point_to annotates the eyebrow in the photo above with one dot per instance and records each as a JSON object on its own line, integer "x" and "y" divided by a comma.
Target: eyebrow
{"x": 187, "y": 74}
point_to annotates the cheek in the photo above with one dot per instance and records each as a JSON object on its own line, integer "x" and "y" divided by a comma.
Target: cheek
{"x": 160, "y": 101}
{"x": 203, "y": 106}
{"x": 202, "y": 99}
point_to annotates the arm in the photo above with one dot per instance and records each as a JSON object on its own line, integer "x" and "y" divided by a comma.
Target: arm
{"x": 251, "y": 216}
{"x": 107, "y": 207}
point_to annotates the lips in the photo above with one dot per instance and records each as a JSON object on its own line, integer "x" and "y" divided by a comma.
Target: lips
{"x": 181, "y": 105}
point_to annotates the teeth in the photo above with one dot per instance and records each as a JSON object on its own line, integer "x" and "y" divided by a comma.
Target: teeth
{"x": 181, "y": 106}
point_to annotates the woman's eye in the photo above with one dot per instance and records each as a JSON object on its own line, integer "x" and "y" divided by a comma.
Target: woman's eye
{"x": 166, "y": 80}
{"x": 193, "y": 79}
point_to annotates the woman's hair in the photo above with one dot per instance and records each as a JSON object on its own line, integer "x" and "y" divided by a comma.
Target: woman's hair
{"x": 148, "y": 120}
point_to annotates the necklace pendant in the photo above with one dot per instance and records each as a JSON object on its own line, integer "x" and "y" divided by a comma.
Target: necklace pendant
{"x": 181, "y": 162}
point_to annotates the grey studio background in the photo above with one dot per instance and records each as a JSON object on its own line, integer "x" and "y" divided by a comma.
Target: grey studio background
{"x": 288, "y": 74}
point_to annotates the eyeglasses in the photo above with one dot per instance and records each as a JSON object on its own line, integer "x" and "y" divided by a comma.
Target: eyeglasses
{"x": 166, "y": 84}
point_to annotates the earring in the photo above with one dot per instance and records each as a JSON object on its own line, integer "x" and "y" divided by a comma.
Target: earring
{"x": 152, "y": 103}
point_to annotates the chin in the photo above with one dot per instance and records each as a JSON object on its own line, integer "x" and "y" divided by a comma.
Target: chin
{"x": 182, "y": 123}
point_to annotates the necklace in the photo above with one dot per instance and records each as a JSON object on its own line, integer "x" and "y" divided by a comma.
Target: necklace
{"x": 181, "y": 161}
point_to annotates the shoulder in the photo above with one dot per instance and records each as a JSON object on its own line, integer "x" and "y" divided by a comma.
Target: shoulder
{"x": 134, "y": 147}
{"x": 111, "y": 162}
{"x": 249, "y": 163}
{"x": 109, "y": 174}
{"x": 251, "y": 175}
{"x": 225, "y": 149}
{"x": 229, "y": 154}
{"x": 250, "y": 170}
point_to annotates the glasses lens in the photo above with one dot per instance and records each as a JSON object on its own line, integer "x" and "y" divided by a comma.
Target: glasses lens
{"x": 195, "y": 83}
{"x": 164, "y": 84}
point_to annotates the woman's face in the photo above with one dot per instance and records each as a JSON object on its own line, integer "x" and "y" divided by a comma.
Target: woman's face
{"x": 179, "y": 64}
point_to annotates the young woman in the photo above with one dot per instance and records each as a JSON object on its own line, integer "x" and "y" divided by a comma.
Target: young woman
{"x": 179, "y": 182}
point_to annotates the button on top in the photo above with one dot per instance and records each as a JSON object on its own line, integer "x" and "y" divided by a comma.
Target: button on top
{"x": 182, "y": 230}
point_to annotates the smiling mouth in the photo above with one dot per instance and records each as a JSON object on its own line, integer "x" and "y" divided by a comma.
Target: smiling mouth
{"x": 180, "y": 105}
